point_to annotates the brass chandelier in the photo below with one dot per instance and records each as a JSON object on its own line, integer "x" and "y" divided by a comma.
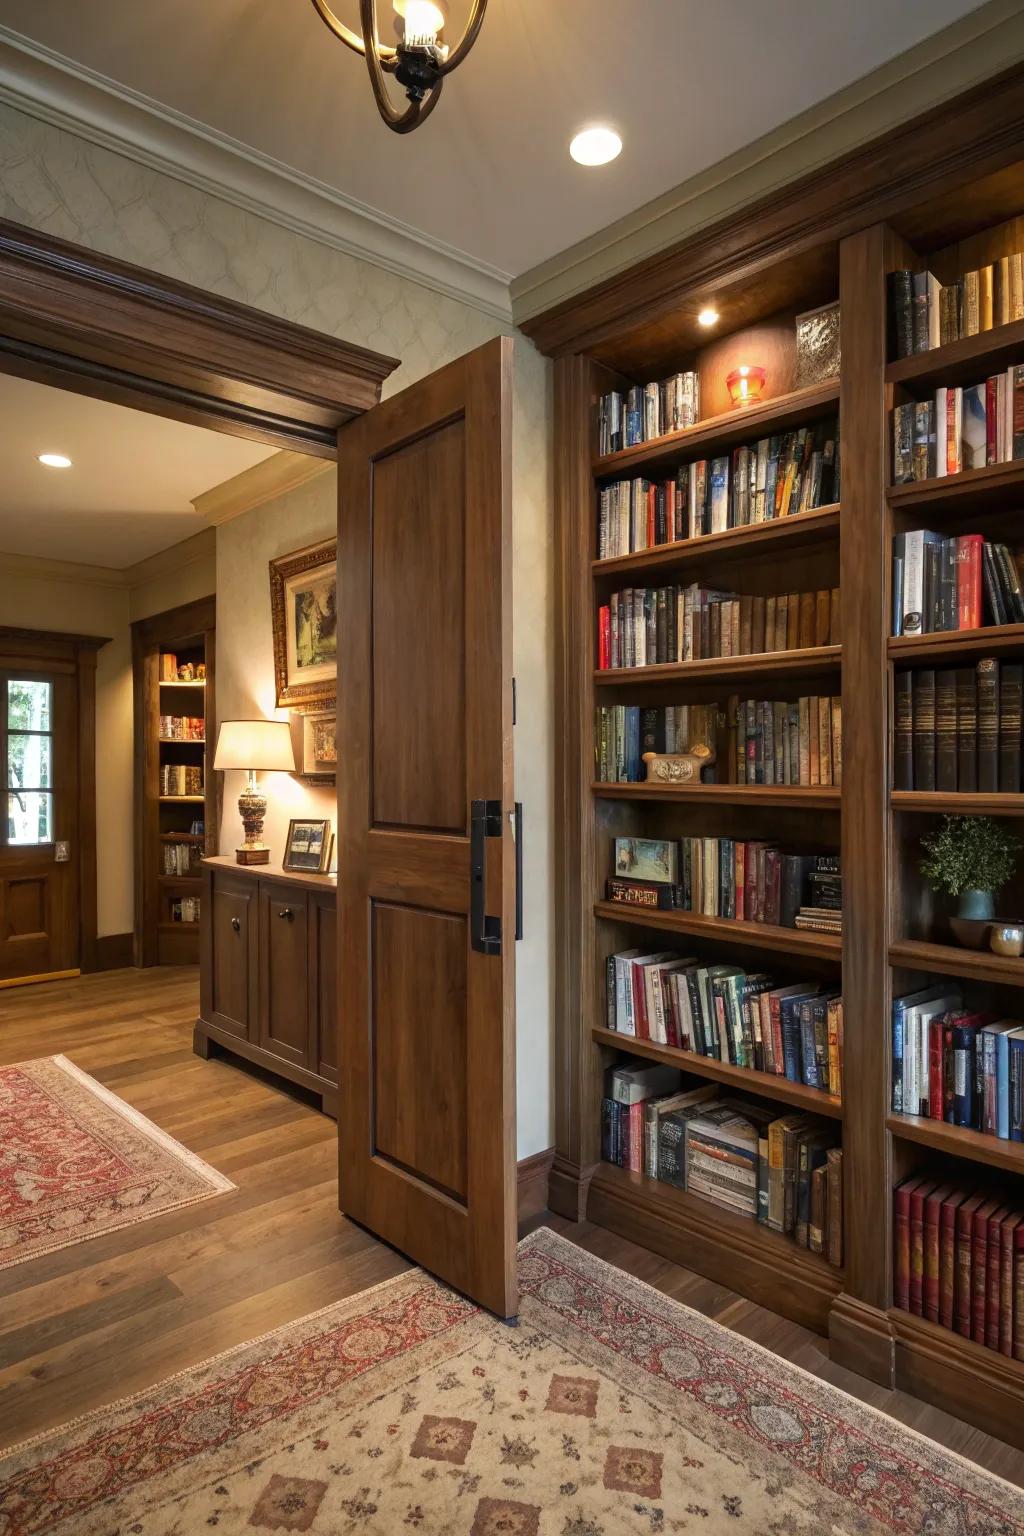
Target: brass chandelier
{"x": 419, "y": 61}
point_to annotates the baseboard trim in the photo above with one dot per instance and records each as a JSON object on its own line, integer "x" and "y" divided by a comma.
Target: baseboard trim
{"x": 860, "y": 1337}
{"x": 114, "y": 951}
{"x": 532, "y": 1175}
{"x": 568, "y": 1187}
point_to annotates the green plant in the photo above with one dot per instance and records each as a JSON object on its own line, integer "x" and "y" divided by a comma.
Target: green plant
{"x": 969, "y": 853}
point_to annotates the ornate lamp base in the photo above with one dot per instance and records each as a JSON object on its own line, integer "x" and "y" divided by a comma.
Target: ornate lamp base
{"x": 252, "y": 807}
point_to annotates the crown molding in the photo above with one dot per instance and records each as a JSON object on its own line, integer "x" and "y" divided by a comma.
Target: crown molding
{"x": 201, "y": 546}
{"x": 261, "y": 482}
{"x": 49, "y": 86}
{"x": 983, "y": 43}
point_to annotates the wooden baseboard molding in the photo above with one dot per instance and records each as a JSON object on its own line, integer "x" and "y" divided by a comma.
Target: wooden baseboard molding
{"x": 966, "y": 1379}
{"x": 567, "y": 1188}
{"x": 532, "y": 1175}
{"x": 861, "y": 1339}
{"x": 114, "y": 951}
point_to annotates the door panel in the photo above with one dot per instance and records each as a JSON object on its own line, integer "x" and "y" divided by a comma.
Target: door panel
{"x": 284, "y": 1010}
{"x": 427, "y": 1094}
{"x": 232, "y": 967}
{"x": 323, "y": 973}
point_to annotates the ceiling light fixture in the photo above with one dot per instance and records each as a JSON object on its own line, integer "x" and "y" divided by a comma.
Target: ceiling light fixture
{"x": 595, "y": 146}
{"x": 707, "y": 317}
{"x": 54, "y": 460}
{"x": 419, "y": 61}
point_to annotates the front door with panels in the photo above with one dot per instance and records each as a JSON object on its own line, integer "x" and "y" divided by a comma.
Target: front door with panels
{"x": 39, "y": 796}
{"x": 426, "y": 864}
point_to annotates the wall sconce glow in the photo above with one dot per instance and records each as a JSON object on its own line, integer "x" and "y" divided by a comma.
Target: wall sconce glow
{"x": 595, "y": 146}
{"x": 707, "y": 317}
{"x": 54, "y": 460}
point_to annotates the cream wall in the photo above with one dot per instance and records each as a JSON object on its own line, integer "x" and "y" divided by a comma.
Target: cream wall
{"x": 54, "y": 181}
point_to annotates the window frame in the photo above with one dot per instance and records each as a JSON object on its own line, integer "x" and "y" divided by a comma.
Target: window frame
{"x": 7, "y": 677}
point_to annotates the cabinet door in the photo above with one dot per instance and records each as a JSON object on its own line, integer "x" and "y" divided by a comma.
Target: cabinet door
{"x": 230, "y": 954}
{"x": 323, "y": 983}
{"x": 284, "y": 990}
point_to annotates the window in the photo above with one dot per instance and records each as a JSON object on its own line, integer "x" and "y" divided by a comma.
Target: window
{"x": 29, "y": 758}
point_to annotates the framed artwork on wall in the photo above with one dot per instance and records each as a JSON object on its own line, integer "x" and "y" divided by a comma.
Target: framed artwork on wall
{"x": 304, "y": 614}
{"x": 316, "y": 750}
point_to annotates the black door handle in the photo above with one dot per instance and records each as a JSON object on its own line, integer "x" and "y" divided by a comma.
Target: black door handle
{"x": 485, "y": 822}
{"x": 236, "y": 925}
{"x": 286, "y": 912}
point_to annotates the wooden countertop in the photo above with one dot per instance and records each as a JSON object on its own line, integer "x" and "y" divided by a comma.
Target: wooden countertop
{"x": 272, "y": 872}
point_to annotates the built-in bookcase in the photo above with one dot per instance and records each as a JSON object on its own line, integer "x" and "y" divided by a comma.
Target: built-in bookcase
{"x": 895, "y": 935}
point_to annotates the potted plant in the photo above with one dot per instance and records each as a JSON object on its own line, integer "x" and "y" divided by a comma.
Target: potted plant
{"x": 970, "y": 857}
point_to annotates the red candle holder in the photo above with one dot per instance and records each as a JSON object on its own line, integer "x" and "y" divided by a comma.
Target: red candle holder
{"x": 745, "y": 384}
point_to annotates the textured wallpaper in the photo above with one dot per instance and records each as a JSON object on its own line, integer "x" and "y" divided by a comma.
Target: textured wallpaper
{"x": 53, "y": 181}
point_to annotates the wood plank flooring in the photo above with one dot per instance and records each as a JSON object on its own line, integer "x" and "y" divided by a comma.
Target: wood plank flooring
{"x": 103, "y": 1318}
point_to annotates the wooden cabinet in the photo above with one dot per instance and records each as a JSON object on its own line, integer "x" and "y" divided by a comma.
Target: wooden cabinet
{"x": 268, "y": 990}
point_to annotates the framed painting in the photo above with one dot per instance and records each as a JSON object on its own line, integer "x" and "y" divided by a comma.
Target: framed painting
{"x": 304, "y": 614}
{"x": 315, "y": 746}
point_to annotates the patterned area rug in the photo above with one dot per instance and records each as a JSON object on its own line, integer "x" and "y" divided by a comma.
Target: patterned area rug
{"x": 609, "y": 1409}
{"x": 76, "y": 1161}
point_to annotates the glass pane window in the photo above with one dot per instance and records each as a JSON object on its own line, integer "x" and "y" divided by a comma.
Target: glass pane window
{"x": 28, "y": 761}
{"x": 29, "y": 817}
{"x": 29, "y": 705}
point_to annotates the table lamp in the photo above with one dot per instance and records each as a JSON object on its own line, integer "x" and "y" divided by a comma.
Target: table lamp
{"x": 256, "y": 746}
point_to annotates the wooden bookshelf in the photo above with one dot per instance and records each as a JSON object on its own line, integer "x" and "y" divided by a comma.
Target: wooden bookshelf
{"x": 162, "y": 821}
{"x": 642, "y": 327}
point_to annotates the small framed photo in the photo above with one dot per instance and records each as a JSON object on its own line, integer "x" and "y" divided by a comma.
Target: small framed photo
{"x": 309, "y": 846}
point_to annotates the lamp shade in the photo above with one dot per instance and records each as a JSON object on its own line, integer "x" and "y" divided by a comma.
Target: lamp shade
{"x": 255, "y": 745}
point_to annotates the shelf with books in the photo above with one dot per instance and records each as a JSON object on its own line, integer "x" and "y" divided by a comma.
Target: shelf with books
{"x": 800, "y": 530}
{"x": 798, "y": 407}
{"x": 935, "y": 802}
{"x": 938, "y": 645}
{"x": 823, "y": 797}
{"x": 762, "y": 664}
{"x": 953, "y": 960}
{"x": 959, "y": 1141}
{"x": 769, "y": 1085}
{"x": 960, "y": 362}
{"x": 727, "y": 930}
{"x": 181, "y": 799}
{"x": 994, "y": 486}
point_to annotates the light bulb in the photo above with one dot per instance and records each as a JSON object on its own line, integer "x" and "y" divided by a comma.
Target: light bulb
{"x": 707, "y": 317}
{"x": 423, "y": 20}
{"x": 595, "y": 146}
{"x": 54, "y": 460}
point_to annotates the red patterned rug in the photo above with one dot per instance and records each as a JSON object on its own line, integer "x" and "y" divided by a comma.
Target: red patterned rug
{"x": 609, "y": 1409}
{"x": 76, "y": 1161}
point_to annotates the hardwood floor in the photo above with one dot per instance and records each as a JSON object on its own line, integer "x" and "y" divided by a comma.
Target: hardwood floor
{"x": 104, "y": 1318}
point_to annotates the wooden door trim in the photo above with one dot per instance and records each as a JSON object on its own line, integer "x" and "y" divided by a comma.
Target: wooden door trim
{"x": 78, "y": 320}
{"x": 42, "y": 648}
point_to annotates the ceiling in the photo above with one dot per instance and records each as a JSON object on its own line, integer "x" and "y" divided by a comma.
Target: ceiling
{"x": 129, "y": 491}
{"x": 686, "y": 82}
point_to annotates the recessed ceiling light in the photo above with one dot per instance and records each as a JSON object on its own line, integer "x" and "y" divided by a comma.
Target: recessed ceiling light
{"x": 595, "y": 146}
{"x": 708, "y": 317}
{"x": 55, "y": 460}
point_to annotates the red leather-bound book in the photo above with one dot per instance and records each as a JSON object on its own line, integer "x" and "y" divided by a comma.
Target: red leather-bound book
{"x": 979, "y": 1268}
{"x": 918, "y": 1195}
{"x": 947, "y": 1256}
{"x": 1008, "y": 1234}
{"x": 964, "y": 1254}
{"x": 643, "y": 1028}
{"x": 994, "y": 1275}
{"x": 930, "y": 1279}
{"x": 935, "y": 1084}
{"x": 604, "y": 635}
{"x": 1018, "y": 1293}
{"x": 991, "y": 419}
{"x": 901, "y": 1241}
{"x": 968, "y": 580}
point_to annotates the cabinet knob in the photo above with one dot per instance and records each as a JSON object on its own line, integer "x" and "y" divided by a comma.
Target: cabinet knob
{"x": 236, "y": 925}
{"x": 286, "y": 912}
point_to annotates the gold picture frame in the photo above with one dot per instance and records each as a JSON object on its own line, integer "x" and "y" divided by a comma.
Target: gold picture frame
{"x": 304, "y": 617}
{"x": 308, "y": 846}
{"x": 314, "y": 736}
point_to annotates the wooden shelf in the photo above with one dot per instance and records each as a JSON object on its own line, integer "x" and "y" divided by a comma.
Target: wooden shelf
{"x": 968, "y": 361}
{"x": 182, "y": 799}
{"x": 798, "y": 408}
{"x": 186, "y": 882}
{"x": 719, "y": 1243}
{"x": 994, "y": 639}
{"x": 952, "y": 960}
{"x": 182, "y": 741}
{"x": 182, "y": 682}
{"x": 995, "y": 485}
{"x": 726, "y": 930}
{"x": 782, "y": 533}
{"x": 927, "y": 802}
{"x": 812, "y": 658}
{"x": 768, "y": 1084}
{"x": 959, "y": 1141}
{"x": 822, "y": 797}
{"x": 177, "y": 927}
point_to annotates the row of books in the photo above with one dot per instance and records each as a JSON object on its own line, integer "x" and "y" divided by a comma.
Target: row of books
{"x": 960, "y": 429}
{"x": 181, "y": 858}
{"x": 924, "y": 313}
{"x": 760, "y": 482}
{"x": 185, "y": 909}
{"x": 181, "y": 779}
{"x": 647, "y": 411}
{"x": 173, "y": 671}
{"x": 958, "y": 1260}
{"x": 651, "y": 626}
{"x": 783, "y": 1171}
{"x": 958, "y": 729}
{"x": 953, "y": 1065}
{"x": 751, "y": 881}
{"x": 955, "y": 583}
{"x": 728, "y": 1014}
{"x": 182, "y": 727}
